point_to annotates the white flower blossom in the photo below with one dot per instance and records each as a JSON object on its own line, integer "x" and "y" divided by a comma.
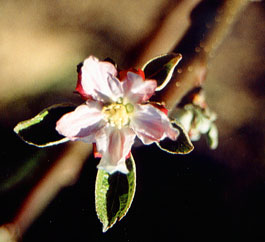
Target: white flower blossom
{"x": 115, "y": 112}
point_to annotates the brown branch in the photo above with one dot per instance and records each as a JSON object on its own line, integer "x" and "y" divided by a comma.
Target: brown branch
{"x": 191, "y": 72}
{"x": 64, "y": 172}
{"x": 169, "y": 32}
{"x": 226, "y": 15}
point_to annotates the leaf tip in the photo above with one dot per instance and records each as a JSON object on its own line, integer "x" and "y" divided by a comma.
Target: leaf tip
{"x": 16, "y": 128}
{"x": 177, "y": 58}
{"x": 182, "y": 145}
{"x": 105, "y": 228}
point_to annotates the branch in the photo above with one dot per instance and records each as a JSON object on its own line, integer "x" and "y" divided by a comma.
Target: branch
{"x": 169, "y": 32}
{"x": 196, "y": 47}
{"x": 64, "y": 172}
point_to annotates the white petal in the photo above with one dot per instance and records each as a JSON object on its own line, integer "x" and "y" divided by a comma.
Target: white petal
{"x": 114, "y": 145}
{"x": 96, "y": 78}
{"x": 185, "y": 117}
{"x": 150, "y": 124}
{"x": 83, "y": 122}
{"x": 138, "y": 90}
{"x": 202, "y": 124}
{"x": 115, "y": 87}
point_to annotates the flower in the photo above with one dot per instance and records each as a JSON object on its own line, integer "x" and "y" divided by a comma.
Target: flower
{"x": 198, "y": 120}
{"x": 116, "y": 110}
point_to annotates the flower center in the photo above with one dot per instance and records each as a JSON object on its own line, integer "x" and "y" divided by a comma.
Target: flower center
{"x": 118, "y": 114}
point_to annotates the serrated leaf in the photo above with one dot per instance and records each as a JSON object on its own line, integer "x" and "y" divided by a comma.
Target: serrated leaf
{"x": 161, "y": 68}
{"x": 182, "y": 145}
{"x": 40, "y": 130}
{"x": 114, "y": 194}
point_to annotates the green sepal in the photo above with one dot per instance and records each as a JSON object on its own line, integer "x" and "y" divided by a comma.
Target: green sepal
{"x": 40, "y": 130}
{"x": 161, "y": 68}
{"x": 182, "y": 145}
{"x": 114, "y": 194}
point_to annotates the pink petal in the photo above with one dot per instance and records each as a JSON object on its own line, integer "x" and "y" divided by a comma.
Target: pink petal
{"x": 151, "y": 125}
{"x": 114, "y": 145}
{"x": 82, "y": 123}
{"x": 123, "y": 73}
{"x": 115, "y": 87}
{"x": 98, "y": 80}
{"x": 138, "y": 90}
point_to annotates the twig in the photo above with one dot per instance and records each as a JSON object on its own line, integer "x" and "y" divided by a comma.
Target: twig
{"x": 64, "y": 172}
{"x": 168, "y": 34}
{"x": 192, "y": 69}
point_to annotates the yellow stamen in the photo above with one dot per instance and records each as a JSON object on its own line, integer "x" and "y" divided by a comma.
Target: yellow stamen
{"x": 118, "y": 114}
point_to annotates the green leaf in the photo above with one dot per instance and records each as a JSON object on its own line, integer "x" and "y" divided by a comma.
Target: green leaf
{"x": 40, "y": 130}
{"x": 114, "y": 194}
{"x": 161, "y": 68}
{"x": 182, "y": 145}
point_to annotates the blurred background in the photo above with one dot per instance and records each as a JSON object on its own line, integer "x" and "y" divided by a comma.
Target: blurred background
{"x": 208, "y": 195}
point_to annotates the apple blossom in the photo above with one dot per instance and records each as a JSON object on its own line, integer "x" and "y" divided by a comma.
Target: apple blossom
{"x": 116, "y": 110}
